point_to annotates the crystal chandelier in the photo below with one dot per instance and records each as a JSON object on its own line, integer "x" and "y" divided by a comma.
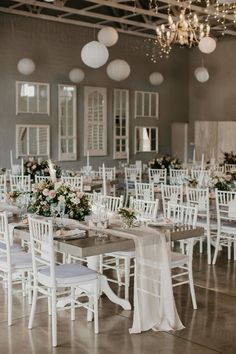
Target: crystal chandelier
{"x": 187, "y": 30}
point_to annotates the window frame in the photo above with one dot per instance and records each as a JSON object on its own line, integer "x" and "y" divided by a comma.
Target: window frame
{"x": 135, "y": 139}
{"x": 121, "y": 154}
{"x": 150, "y": 94}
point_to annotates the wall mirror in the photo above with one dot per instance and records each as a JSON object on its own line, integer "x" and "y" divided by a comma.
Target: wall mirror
{"x": 32, "y": 97}
{"x": 146, "y": 139}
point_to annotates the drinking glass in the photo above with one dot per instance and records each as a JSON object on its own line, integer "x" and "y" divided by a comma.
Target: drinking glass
{"x": 54, "y": 209}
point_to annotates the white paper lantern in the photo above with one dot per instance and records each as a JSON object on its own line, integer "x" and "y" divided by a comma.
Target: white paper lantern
{"x": 26, "y": 66}
{"x": 76, "y": 75}
{"x": 108, "y": 36}
{"x": 156, "y": 78}
{"x": 207, "y": 45}
{"x": 118, "y": 70}
{"x": 201, "y": 74}
{"x": 94, "y": 54}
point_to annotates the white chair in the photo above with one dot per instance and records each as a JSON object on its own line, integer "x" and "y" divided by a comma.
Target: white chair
{"x": 182, "y": 263}
{"x": 52, "y": 280}
{"x": 18, "y": 183}
{"x": 39, "y": 179}
{"x": 76, "y": 182}
{"x": 178, "y": 177}
{"x": 173, "y": 194}
{"x": 15, "y": 266}
{"x": 145, "y": 210}
{"x": 226, "y": 222}
{"x": 157, "y": 176}
{"x": 230, "y": 167}
{"x": 111, "y": 204}
{"x": 218, "y": 168}
{"x": 200, "y": 198}
{"x": 202, "y": 176}
{"x": 3, "y": 186}
{"x": 144, "y": 191}
{"x": 110, "y": 173}
{"x": 132, "y": 175}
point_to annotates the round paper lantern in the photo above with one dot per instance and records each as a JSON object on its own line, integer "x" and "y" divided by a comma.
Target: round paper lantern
{"x": 118, "y": 70}
{"x": 26, "y": 66}
{"x": 201, "y": 74}
{"x": 207, "y": 45}
{"x": 94, "y": 54}
{"x": 108, "y": 36}
{"x": 156, "y": 78}
{"x": 76, "y": 75}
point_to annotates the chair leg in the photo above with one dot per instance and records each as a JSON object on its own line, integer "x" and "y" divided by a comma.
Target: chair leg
{"x": 191, "y": 285}
{"x": 96, "y": 328}
{"x": 73, "y": 304}
{"x": 216, "y": 248}
{"x": 9, "y": 299}
{"x": 201, "y": 245}
{"x": 54, "y": 318}
{"x": 118, "y": 271}
{"x": 29, "y": 288}
{"x": 100, "y": 264}
{"x": 127, "y": 277}
{"x": 209, "y": 246}
{"x": 49, "y": 306}
{"x": 234, "y": 249}
{"x": 33, "y": 307}
{"x": 229, "y": 250}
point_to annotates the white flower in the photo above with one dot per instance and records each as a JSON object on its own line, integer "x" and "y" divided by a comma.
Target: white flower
{"x": 61, "y": 199}
{"x": 57, "y": 185}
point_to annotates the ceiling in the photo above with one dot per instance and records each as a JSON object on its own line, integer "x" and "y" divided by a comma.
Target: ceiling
{"x": 133, "y": 17}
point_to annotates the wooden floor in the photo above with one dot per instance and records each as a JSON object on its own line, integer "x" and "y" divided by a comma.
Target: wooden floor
{"x": 208, "y": 330}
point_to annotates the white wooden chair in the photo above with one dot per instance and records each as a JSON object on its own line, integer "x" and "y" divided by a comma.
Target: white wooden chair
{"x": 144, "y": 191}
{"x": 3, "y": 186}
{"x": 110, "y": 173}
{"x": 226, "y": 222}
{"x": 76, "y": 182}
{"x": 132, "y": 175}
{"x": 199, "y": 197}
{"x": 145, "y": 210}
{"x": 157, "y": 176}
{"x": 52, "y": 280}
{"x": 178, "y": 177}
{"x": 39, "y": 179}
{"x": 182, "y": 263}
{"x": 230, "y": 167}
{"x": 20, "y": 183}
{"x": 202, "y": 176}
{"x": 15, "y": 265}
{"x": 173, "y": 194}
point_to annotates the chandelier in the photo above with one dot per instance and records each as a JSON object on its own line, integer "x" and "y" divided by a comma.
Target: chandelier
{"x": 187, "y": 30}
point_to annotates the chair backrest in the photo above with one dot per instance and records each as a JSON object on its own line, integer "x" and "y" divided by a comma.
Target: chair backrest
{"x": 230, "y": 167}
{"x": 218, "y": 168}
{"x": 110, "y": 173}
{"x": 133, "y": 174}
{"x": 182, "y": 214}
{"x": 198, "y": 197}
{"x": 5, "y": 241}
{"x": 39, "y": 179}
{"x": 42, "y": 248}
{"x": 3, "y": 185}
{"x": 144, "y": 209}
{"x": 225, "y": 205}
{"x": 144, "y": 191}
{"x": 74, "y": 182}
{"x": 173, "y": 194}
{"x": 20, "y": 183}
{"x": 178, "y": 176}
{"x": 112, "y": 204}
{"x": 157, "y": 176}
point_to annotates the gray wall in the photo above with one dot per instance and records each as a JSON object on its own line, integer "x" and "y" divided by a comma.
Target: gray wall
{"x": 214, "y": 100}
{"x": 55, "y": 48}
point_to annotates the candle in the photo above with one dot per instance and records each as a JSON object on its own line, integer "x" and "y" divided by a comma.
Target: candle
{"x": 11, "y": 159}
{"x": 88, "y": 159}
{"x": 202, "y": 163}
{"x": 22, "y": 169}
{"x": 104, "y": 180}
{"x": 127, "y": 151}
{"x": 194, "y": 156}
{"x": 52, "y": 171}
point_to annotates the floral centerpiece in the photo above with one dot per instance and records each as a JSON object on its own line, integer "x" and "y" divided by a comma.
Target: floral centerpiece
{"x": 220, "y": 181}
{"x": 192, "y": 182}
{"x": 166, "y": 161}
{"x": 47, "y": 193}
{"x": 229, "y": 158}
{"x": 33, "y": 168}
{"x": 127, "y": 216}
{"x": 12, "y": 196}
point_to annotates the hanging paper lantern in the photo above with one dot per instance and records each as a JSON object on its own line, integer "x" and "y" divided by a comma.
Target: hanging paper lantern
{"x": 108, "y": 36}
{"x": 201, "y": 74}
{"x": 207, "y": 45}
{"x": 156, "y": 78}
{"x": 118, "y": 70}
{"x": 76, "y": 75}
{"x": 94, "y": 54}
{"x": 26, "y": 66}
